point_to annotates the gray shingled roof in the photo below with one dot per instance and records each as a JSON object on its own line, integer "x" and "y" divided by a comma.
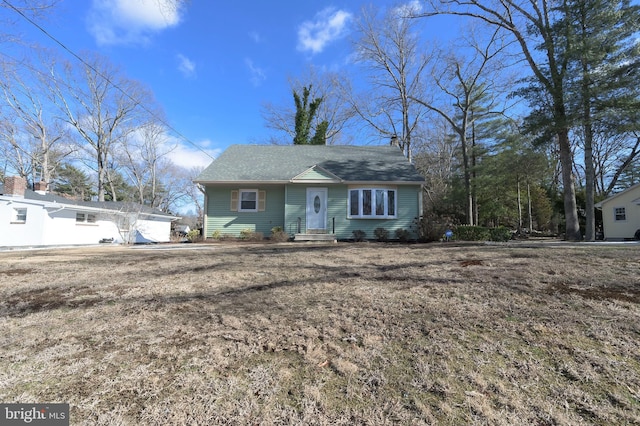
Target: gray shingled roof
{"x": 277, "y": 163}
{"x": 105, "y": 205}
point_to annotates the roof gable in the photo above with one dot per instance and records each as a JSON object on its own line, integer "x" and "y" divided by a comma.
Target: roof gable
{"x": 283, "y": 164}
{"x": 315, "y": 174}
{"x": 632, "y": 189}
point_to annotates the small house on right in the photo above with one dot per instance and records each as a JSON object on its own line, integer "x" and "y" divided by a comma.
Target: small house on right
{"x": 621, "y": 215}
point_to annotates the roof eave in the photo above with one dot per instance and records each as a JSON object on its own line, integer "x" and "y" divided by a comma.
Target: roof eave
{"x": 385, "y": 182}
{"x": 79, "y": 207}
{"x": 283, "y": 182}
{"x": 315, "y": 181}
{"x": 241, "y": 182}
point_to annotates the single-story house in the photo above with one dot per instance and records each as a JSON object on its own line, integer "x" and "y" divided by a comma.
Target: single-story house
{"x": 39, "y": 218}
{"x": 621, "y": 214}
{"x": 182, "y": 230}
{"x": 311, "y": 191}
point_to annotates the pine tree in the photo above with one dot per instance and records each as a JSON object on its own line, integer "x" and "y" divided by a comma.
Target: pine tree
{"x": 603, "y": 59}
{"x": 73, "y": 182}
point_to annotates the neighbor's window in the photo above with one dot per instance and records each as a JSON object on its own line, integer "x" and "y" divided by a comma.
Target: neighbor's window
{"x": 19, "y": 215}
{"x": 620, "y": 213}
{"x": 85, "y": 218}
{"x": 248, "y": 200}
{"x": 373, "y": 203}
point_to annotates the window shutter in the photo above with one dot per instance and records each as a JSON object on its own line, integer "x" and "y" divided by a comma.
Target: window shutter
{"x": 262, "y": 200}
{"x": 234, "y": 201}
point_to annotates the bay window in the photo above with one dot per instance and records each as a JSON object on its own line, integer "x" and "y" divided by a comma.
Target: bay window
{"x": 372, "y": 203}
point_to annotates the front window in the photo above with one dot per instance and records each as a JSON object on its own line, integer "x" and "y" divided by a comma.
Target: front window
{"x": 373, "y": 203}
{"x": 19, "y": 215}
{"x": 248, "y": 200}
{"x": 620, "y": 214}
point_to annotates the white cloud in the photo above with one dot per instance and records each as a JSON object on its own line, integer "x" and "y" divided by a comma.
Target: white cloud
{"x": 188, "y": 156}
{"x": 130, "y": 21}
{"x": 178, "y": 151}
{"x": 186, "y": 66}
{"x": 256, "y": 37}
{"x": 258, "y": 75}
{"x": 413, "y": 7}
{"x": 327, "y": 26}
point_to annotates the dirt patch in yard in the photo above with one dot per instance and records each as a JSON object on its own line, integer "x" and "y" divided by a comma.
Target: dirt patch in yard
{"x": 325, "y": 334}
{"x": 17, "y": 271}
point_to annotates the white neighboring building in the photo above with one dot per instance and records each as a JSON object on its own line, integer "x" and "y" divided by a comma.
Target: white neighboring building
{"x": 37, "y": 218}
{"x": 621, "y": 214}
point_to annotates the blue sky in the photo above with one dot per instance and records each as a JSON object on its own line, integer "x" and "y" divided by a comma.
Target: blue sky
{"x": 211, "y": 65}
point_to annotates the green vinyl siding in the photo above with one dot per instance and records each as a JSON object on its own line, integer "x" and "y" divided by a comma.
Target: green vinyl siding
{"x": 407, "y": 205}
{"x": 219, "y": 216}
{"x": 408, "y": 210}
{"x": 296, "y": 204}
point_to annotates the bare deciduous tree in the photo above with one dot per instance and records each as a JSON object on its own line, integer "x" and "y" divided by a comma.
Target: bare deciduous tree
{"x": 389, "y": 49}
{"x": 28, "y": 8}
{"x": 142, "y": 153}
{"x": 468, "y": 90}
{"x": 531, "y": 24}
{"x": 32, "y": 132}
{"x": 103, "y": 107}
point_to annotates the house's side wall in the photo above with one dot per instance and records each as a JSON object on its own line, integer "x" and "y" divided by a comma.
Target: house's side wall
{"x": 152, "y": 230}
{"x": 61, "y": 228}
{"x": 219, "y": 217}
{"x": 619, "y": 230}
{"x": 58, "y": 226}
{"x": 408, "y": 210}
{"x": 21, "y": 234}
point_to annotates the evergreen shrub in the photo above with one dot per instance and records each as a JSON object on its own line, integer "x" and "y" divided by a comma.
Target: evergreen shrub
{"x": 381, "y": 234}
{"x": 402, "y": 234}
{"x": 359, "y": 235}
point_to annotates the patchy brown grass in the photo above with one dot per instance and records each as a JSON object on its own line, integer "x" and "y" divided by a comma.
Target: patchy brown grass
{"x": 325, "y": 334}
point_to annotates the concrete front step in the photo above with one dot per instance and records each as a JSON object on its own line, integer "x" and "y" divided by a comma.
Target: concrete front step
{"x": 315, "y": 237}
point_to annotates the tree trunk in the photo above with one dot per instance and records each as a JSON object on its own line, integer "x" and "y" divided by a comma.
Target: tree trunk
{"x": 572, "y": 224}
{"x": 519, "y": 207}
{"x": 474, "y": 196}
{"x": 467, "y": 173}
{"x": 467, "y": 185}
{"x": 590, "y": 227}
{"x": 101, "y": 177}
{"x": 530, "y": 208}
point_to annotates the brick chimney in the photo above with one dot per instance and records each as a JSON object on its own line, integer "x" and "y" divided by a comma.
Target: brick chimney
{"x": 14, "y": 186}
{"x": 40, "y": 187}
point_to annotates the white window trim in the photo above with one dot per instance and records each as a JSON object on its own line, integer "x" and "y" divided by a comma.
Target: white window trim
{"x": 615, "y": 218}
{"x": 242, "y": 191}
{"x": 373, "y": 190}
{"x": 16, "y": 213}
{"x": 85, "y": 220}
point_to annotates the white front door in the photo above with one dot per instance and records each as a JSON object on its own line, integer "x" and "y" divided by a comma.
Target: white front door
{"x": 316, "y": 210}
